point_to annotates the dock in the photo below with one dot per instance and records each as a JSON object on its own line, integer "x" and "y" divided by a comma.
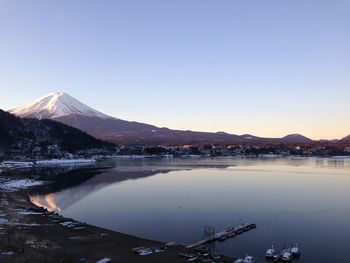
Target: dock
{"x": 222, "y": 235}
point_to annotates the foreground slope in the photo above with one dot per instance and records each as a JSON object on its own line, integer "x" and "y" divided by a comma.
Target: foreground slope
{"x": 23, "y": 136}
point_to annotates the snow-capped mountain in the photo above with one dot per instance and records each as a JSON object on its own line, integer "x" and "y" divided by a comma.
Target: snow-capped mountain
{"x": 54, "y": 105}
{"x": 61, "y": 107}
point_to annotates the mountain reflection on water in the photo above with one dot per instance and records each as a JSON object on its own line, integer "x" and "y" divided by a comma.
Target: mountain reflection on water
{"x": 72, "y": 191}
{"x": 303, "y": 200}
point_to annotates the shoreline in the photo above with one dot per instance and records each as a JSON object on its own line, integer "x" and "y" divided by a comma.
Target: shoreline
{"x": 40, "y": 235}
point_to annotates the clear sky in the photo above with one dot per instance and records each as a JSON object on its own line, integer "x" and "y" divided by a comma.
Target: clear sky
{"x": 263, "y": 67}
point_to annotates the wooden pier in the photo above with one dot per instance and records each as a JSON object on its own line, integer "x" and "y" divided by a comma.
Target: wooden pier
{"x": 222, "y": 235}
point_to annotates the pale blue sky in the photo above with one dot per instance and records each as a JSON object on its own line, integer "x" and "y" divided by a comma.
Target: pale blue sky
{"x": 263, "y": 67}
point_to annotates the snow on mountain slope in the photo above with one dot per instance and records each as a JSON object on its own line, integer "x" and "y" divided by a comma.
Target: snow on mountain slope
{"x": 54, "y": 105}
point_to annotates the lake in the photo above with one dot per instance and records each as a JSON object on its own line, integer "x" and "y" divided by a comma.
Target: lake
{"x": 292, "y": 200}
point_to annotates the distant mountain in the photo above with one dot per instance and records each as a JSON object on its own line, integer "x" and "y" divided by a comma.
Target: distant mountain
{"x": 30, "y": 137}
{"x": 346, "y": 139}
{"x": 61, "y": 107}
{"x": 296, "y": 138}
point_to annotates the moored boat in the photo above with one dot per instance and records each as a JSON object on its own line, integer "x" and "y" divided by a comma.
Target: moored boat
{"x": 271, "y": 252}
{"x": 246, "y": 259}
{"x": 295, "y": 250}
{"x": 145, "y": 252}
{"x": 286, "y": 255}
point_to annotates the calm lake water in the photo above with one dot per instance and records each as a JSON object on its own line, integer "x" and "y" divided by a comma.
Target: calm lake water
{"x": 291, "y": 200}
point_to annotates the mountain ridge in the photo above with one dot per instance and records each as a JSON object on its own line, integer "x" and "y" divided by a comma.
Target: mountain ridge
{"x": 63, "y": 108}
{"x": 346, "y": 138}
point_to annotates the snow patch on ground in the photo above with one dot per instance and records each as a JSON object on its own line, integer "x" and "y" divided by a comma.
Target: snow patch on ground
{"x": 14, "y": 185}
{"x": 29, "y": 213}
{"x": 64, "y": 162}
{"x": 52, "y": 162}
{"x": 3, "y": 221}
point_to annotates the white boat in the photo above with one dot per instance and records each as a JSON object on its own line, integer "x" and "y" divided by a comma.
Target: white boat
{"x": 271, "y": 252}
{"x": 295, "y": 250}
{"x": 247, "y": 259}
{"x": 145, "y": 252}
{"x": 189, "y": 256}
{"x": 157, "y": 249}
{"x": 287, "y": 256}
{"x": 137, "y": 249}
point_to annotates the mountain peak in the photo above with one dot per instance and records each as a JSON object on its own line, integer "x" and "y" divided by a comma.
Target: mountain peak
{"x": 56, "y": 94}
{"x": 54, "y": 105}
{"x": 296, "y": 137}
